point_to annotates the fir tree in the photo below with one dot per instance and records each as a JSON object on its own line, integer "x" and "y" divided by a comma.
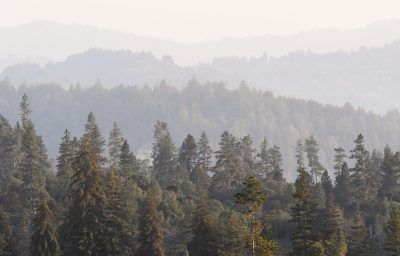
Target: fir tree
{"x": 44, "y": 241}
{"x": 204, "y": 152}
{"x": 343, "y": 188}
{"x": 127, "y": 162}
{"x": 340, "y": 155}
{"x": 263, "y": 160}
{"x": 150, "y": 237}
{"x": 390, "y": 175}
{"x": 311, "y": 148}
{"x": 246, "y": 152}
{"x": 96, "y": 141}
{"x": 7, "y": 247}
{"x": 84, "y": 226}
{"x": 115, "y": 143}
{"x": 300, "y": 154}
{"x": 359, "y": 243}
{"x": 187, "y": 153}
{"x": 275, "y": 158}
{"x": 326, "y": 184}
{"x": 393, "y": 233}
{"x": 303, "y": 215}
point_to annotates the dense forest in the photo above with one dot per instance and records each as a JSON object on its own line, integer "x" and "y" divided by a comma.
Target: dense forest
{"x": 210, "y": 107}
{"x": 101, "y": 199}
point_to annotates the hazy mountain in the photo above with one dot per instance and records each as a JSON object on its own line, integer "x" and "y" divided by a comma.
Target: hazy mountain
{"x": 56, "y": 41}
{"x": 210, "y": 107}
{"x": 368, "y": 77}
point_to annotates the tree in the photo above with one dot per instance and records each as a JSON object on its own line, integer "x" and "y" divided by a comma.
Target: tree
{"x": 150, "y": 237}
{"x": 127, "y": 162}
{"x": 251, "y": 200}
{"x": 326, "y": 184}
{"x": 115, "y": 143}
{"x": 44, "y": 241}
{"x": 393, "y": 233}
{"x": 164, "y": 156}
{"x": 275, "y": 158}
{"x": 300, "y": 149}
{"x": 343, "y": 188}
{"x": 263, "y": 160}
{"x": 311, "y": 148}
{"x": 204, "y": 152}
{"x": 187, "y": 153}
{"x": 84, "y": 227}
{"x": 303, "y": 215}
{"x": 340, "y": 155}
{"x": 95, "y": 139}
{"x": 119, "y": 231}
{"x": 7, "y": 247}
{"x": 202, "y": 228}
{"x": 358, "y": 240}
{"x": 246, "y": 152}
{"x": 390, "y": 175}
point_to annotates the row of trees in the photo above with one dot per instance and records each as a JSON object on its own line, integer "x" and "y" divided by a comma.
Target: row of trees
{"x": 191, "y": 200}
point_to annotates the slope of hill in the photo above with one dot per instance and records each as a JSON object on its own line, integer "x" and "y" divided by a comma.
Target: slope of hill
{"x": 364, "y": 77}
{"x": 209, "y": 107}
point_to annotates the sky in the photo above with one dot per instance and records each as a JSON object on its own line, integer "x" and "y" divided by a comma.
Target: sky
{"x": 203, "y": 20}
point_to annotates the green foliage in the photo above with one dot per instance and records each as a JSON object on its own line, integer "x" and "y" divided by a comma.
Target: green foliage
{"x": 393, "y": 233}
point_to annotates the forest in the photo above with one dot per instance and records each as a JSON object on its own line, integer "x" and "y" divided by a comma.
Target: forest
{"x": 99, "y": 198}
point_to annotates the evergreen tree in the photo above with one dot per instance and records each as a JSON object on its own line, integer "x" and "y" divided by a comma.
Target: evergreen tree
{"x": 202, "y": 228}
{"x": 119, "y": 231}
{"x": 300, "y": 150}
{"x": 150, "y": 237}
{"x": 393, "y": 233}
{"x": 127, "y": 162}
{"x": 84, "y": 226}
{"x": 303, "y": 215}
{"x": 311, "y": 148}
{"x": 187, "y": 153}
{"x": 64, "y": 168}
{"x": 251, "y": 200}
{"x": 96, "y": 141}
{"x": 246, "y": 152}
{"x": 263, "y": 160}
{"x": 115, "y": 143}
{"x": 340, "y": 156}
{"x": 343, "y": 187}
{"x": 390, "y": 175}
{"x": 359, "y": 243}
{"x": 7, "y": 247}
{"x": 326, "y": 184}
{"x": 204, "y": 152}
{"x": 164, "y": 156}
{"x": 275, "y": 157}
{"x": 44, "y": 241}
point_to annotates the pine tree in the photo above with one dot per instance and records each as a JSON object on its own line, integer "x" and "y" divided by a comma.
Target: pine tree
{"x": 246, "y": 152}
{"x": 326, "y": 184}
{"x": 263, "y": 160}
{"x": 343, "y": 188}
{"x": 64, "y": 168}
{"x": 187, "y": 153}
{"x": 275, "y": 158}
{"x": 251, "y": 200}
{"x": 303, "y": 215}
{"x": 390, "y": 175}
{"x": 84, "y": 226}
{"x": 359, "y": 243}
{"x": 340, "y": 155}
{"x": 8, "y": 154}
{"x": 393, "y": 233}
{"x": 119, "y": 231}
{"x": 127, "y": 162}
{"x": 300, "y": 149}
{"x": 204, "y": 152}
{"x": 311, "y": 148}
{"x": 7, "y": 247}
{"x": 44, "y": 241}
{"x": 164, "y": 156}
{"x": 202, "y": 228}
{"x": 150, "y": 237}
{"x": 96, "y": 141}
{"x": 115, "y": 143}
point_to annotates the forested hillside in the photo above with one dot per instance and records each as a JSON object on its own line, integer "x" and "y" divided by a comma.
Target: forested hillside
{"x": 101, "y": 199}
{"x": 201, "y": 107}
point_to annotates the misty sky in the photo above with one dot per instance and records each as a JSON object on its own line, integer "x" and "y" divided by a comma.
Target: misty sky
{"x": 203, "y": 20}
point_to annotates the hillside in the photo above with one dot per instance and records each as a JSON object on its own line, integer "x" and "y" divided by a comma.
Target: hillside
{"x": 209, "y": 107}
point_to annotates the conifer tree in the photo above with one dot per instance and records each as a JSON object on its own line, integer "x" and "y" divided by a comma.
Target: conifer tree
{"x": 390, "y": 175}
{"x": 300, "y": 150}
{"x": 119, "y": 230}
{"x": 204, "y": 152}
{"x": 343, "y": 187}
{"x": 187, "y": 153}
{"x": 64, "y": 167}
{"x": 263, "y": 160}
{"x": 164, "y": 156}
{"x": 303, "y": 215}
{"x": 393, "y": 233}
{"x": 275, "y": 158}
{"x": 44, "y": 241}
{"x": 202, "y": 228}
{"x": 326, "y": 183}
{"x": 127, "y": 162}
{"x": 150, "y": 237}
{"x": 115, "y": 143}
{"x": 359, "y": 243}
{"x": 246, "y": 152}
{"x": 84, "y": 226}
{"x": 340, "y": 156}
{"x": 251, "y": 200}
{"x": 311, "y": 148}
{"x": 7, "y": 247}
{"x": 96, "y": 141}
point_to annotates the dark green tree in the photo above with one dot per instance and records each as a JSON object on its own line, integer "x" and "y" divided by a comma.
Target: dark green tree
{"x": 343, "y": 187}
{"x": 326, "y": 184}
{"x": 84, "y": 227}
{"x": 263, "y": 160}
{"x": 150, "y": 237}
{"x": 187, "y": 153}
{"x": 204, "y": 152}
{"x": 393, "y": 233}
{"x": 115, "y": 142}
{"x": 44, "y": 240}
{"x": 7, "y": 247}
{"x": 96, "y": 141}
{"x": 311, "y": 148}
{"x": 359, "y": 243}
{"x": 275, "y": 158}
{"x": 390, "y": 175}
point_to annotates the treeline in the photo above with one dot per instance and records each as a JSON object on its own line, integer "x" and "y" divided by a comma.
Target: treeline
{"x": 201, "y": 107}
{"x": 182, "y": 202}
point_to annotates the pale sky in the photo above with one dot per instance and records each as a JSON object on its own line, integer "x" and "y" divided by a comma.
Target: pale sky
{"x": 203, "y": 20}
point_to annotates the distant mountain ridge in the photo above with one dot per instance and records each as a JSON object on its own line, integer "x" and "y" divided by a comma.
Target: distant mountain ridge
{"x": 368, "y": 78}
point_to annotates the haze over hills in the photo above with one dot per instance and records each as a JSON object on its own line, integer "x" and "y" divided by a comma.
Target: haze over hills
{"x": 367, "y": 78}
{"x": 55, "y": 41}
